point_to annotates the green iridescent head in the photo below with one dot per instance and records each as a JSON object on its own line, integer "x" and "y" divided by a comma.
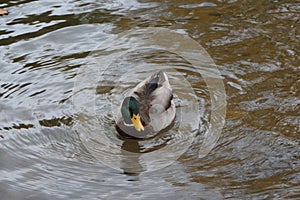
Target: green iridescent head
{"x": 130, "y": 112}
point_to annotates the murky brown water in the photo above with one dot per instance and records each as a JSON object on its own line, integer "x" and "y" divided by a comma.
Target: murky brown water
{"x": 254, "y": 44}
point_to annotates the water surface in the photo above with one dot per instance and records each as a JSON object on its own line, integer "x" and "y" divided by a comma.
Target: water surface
{"x": 254, "y": 44}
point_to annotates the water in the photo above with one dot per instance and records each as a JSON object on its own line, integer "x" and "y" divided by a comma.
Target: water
{"x": 45, "y": 44}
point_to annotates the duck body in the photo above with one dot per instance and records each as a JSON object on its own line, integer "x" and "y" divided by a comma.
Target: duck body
{"x": 148, "y": 109}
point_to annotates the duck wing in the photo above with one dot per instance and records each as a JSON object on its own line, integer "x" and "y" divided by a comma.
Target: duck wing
{"x": 156, "y": 100}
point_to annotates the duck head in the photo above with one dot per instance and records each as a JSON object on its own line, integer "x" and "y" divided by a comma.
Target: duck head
{"x": 130, "y": 113}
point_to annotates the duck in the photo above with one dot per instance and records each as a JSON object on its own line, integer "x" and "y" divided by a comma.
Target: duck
{"x": 148, "y": 109}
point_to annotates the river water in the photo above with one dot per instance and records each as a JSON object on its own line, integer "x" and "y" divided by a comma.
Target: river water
{"x": 66, "y": 65}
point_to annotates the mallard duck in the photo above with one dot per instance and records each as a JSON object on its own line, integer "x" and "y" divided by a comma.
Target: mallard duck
{"x": 148, "y": 109}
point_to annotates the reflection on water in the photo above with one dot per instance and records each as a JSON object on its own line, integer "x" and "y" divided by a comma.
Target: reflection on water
{"x": 255, "y": 44}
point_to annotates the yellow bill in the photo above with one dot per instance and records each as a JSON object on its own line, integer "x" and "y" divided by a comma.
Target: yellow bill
{"x": 136, "y": 120}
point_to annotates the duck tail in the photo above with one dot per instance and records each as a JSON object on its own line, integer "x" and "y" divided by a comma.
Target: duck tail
{"x": 152, "y": 85}
{"x": 156, "y": 80}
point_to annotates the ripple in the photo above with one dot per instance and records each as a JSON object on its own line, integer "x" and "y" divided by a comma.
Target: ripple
{"x": 123, "y": 67}
{"x": 255, "y": 44}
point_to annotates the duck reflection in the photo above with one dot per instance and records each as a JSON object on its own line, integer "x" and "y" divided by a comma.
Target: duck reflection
{"x": 130, "y": 162}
